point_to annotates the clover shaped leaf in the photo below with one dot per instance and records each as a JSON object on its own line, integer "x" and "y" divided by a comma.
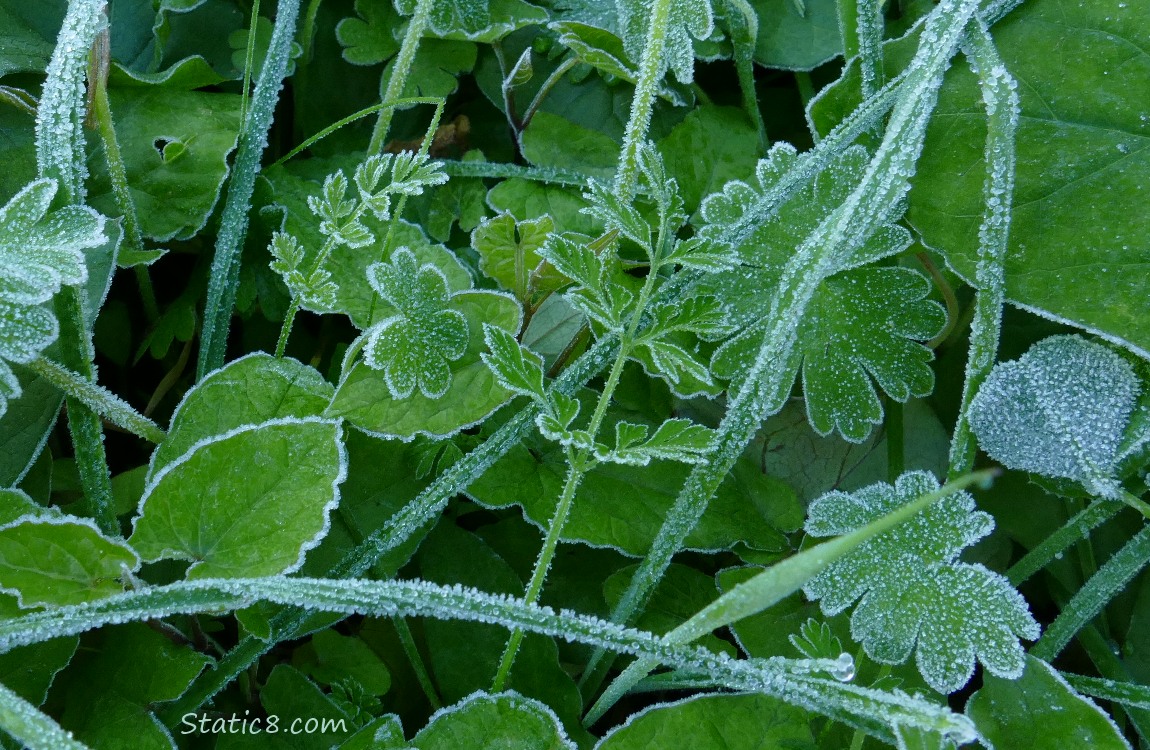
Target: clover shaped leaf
{"x": 912, "y": 593}
{"x": 414, "y": 347}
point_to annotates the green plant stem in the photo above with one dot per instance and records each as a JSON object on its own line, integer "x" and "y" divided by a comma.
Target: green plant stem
{"x": 118, "y": 175}
{"x": 568, "y": 63}
{"x": 249, "y": 62}
{"x": 651, "y": 69}
{"x": 1001, "y": 99}
{"x": 1101, "y": 653}
{"x": 1053, "y": 546}
{"x": 415, "y": 659}
{"x": 773, "y": 584}
{"x": 743, "y": 24}
{"x": 225, "y": 272}
{"x": 399, "y": 73}
{"x": 1088, "y": 602}
{"x": 1136, "y": 503}
{"x": 578, "y": 467}
{"x": 99, "y": 400}
{"x": 30, "y": 727}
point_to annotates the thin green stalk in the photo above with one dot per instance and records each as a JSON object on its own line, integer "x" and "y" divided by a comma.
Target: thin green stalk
{"x": 249, "y": 62}
{"x": 1101, "y": 653}
{"x": 556, "y": 75}
{"x": 1127, "y": 693}
{"x": 578, "y": 466}
{"x": 1078, "y": 527}
{"x": 415, "y": 659}
{"x": 399, "y": 73}
{"x": 225, "y": 271}
{"x": 60, "y": 154}
{"x": 118, "y": 173}
{"x": 773, "y": 584}
{"x": 651, "y": 69}
{"x": 768, "y": 382}
{"x": 1088, "y": 602}
{"x": 96, "y": 398}
{"x": 743, "y": 24}
{"x": 1002, "y": 113}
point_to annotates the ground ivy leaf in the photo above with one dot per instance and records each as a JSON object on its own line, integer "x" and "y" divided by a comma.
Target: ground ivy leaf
{"x": 249, "y": 390}
{"x": 56, "y": 561}
{"x": 509, "y": 253}
{"x": 136, "y": 668}
{"x": 248, "y": 502}
{"x": 1040, "y": 710}
{"x": 365, "y": 399}
{"x": 416, "y": 346}
{"x": 1059, "y": 410}
{"x": 715, "y": 722}
{"x": 689, "y": 18}
{"x": 912, "y": 594}
{"x": 175, "y": 147}
{"x": 505, "y": 720}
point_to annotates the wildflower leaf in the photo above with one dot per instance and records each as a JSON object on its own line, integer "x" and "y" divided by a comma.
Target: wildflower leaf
{"x": 415, "y": 347}
{"x": 862, "y": 323}
{"x": 281, "y": 477}
{"x": 689, "y": 18}
{"x": 674, "y": 440}
{"x": 56, "y": 561}
{"x": 509, "y": 253}
{"x": 370, "y": 37}
{"x": 1059, "y": 410}
{"x": 912, "y": 593}
{"x": 516, "y": 368}
{"x": 505, "y": 719}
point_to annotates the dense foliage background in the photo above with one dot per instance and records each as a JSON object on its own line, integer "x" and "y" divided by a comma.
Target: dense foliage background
{"x": 670, "y": 290}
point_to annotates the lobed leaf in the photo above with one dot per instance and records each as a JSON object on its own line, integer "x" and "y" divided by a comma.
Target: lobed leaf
{"x": 912, "y": 594}
{"x": 516, "y": 368}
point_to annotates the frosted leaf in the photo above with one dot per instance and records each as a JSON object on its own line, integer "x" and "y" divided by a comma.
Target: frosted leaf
{"x": 315, "y": 290}
{"x": 689, "y": 18}
{"x": 415, "y": 346}
{"x": 469, "y": 17}
{"x": 816, "y": 640}
{"x": 339, "y": 220}
{"x": 598, "y": 293}
{"x": 1058, "y": 410}
{"x": 577, "y": 261}
{"x": 703, "y": 315}
{"x": 617, "y": 214}
{"x": 509, "y": 253}
{"x": 674, "y": 440}
{"x": 861, "y": 324}
{"x": 516, "y": 368}
{"x": 555, "y": 424}
{"x": 671, "y": 362}
{"x": 702, "y": 253}
{"x": 912, "y": 593}
{"x": 40, "y": 251}
{"x": 411, "y": 172}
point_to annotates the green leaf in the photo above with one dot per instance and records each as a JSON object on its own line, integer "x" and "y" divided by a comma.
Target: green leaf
{"x": 715, "y": 722}
{"x": 280, "y": 476}
{"x": 135, "y": 667}
{"x": 674, "y": 440}
{"x": 252, "y": 389}
{"x": 1059, "y": 410}
{"x": 238, "y": 41}
{"x": 796, "y": 36}
{"x": 1039, "y": 710}
{"x": 507, "y": 721}
{"x": 25, "y": 47}
{"x": 26, "y": 425}
{"x": 861, "y": 323}
{"x": 509, "y": 253}
{"x": 330, "y": 658}
{"x": 1079, "y": 249}
{"x": 477, "y": 20}
{"x": 415, "y": 347}
{"x": 291, "y": 697}
{"x": 372, "y": 37}
{"x": 622, "y": 507}
{"x": 434, "y": 72}
{"x": 30, "y": 670}
{"x": 57, "y": 560}
{"x": 912, "y": 594}
{"x": 365, "y": 399}
{"x": 725, "y": 135}
{"x": 603, "y": 50}
{"x": 175, "y": 145}
{"x": 517, "y": 369}
{"x": 526, "y": 199}
{"x": 688, "y": 18}
{"x": 552, "y": 140}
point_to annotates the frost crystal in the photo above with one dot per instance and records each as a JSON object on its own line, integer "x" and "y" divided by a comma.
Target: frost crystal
{"x": 415, "y": 346}
{"x": 912, "y": 594}
{"x": 1059, "y": 410}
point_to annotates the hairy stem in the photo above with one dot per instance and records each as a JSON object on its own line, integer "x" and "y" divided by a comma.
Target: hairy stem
{"x": 225, "y": 271}
{"x": 651, "y": 69}
{"x": 743, "y": 25}
{"x": 31, "y": 727}
{"x": 399, "y": 73}
{"x": 98, "y": 399}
